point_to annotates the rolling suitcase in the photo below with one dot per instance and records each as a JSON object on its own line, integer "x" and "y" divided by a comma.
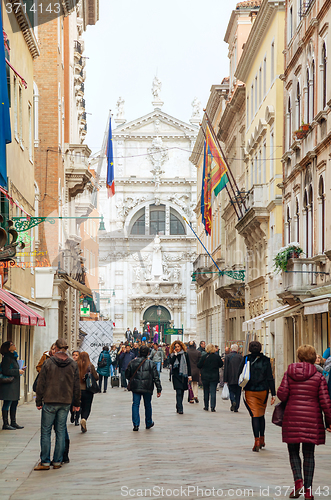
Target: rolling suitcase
{"x": 115, "y": 381}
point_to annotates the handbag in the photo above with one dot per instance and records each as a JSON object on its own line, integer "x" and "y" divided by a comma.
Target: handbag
{"x": 190, "y": 392}
{"x": 245, "y": 374}
{"x": 102, "y": 362}
{"x": 133, "y": 376}
{"x": 91, "y": 383}
{"x": 225, "y": 392}
{"x": 278, "y": 414}
{"x": 4, "y": 379}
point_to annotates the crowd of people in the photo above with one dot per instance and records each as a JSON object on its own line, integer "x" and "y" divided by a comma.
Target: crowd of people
{"x": 68, "y": 383}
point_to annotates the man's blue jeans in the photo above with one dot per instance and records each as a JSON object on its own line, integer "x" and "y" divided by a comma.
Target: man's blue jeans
{"x": 158, "y": 367}
{"x": 135, "y": 408}
{"x": 57, "y": 415}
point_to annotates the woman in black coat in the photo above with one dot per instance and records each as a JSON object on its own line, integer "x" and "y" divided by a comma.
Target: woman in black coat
{"x": 10, "y": 392}
{"x": 257, "y": 390}
{"x": 210, "y": 364}
{"x": 181, "y": 372}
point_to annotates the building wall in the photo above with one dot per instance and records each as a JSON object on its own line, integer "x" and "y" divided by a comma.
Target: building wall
{"x": 306, "y": 179}
{"x": 128, "y": 286}
{"x": 262, "y": 224}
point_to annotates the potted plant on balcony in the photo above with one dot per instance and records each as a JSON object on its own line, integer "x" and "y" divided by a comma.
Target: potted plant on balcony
{"x": 290, "y": 251}
{"x": 302, "y": 131}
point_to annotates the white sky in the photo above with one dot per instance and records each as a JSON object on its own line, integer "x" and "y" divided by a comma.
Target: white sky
{"x": 181, "y": 40}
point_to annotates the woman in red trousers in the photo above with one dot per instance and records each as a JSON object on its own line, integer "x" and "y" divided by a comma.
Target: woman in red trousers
{"x": 305, "y": 392}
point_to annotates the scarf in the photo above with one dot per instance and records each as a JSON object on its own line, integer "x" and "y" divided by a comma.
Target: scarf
{"x": 181, "y": 364}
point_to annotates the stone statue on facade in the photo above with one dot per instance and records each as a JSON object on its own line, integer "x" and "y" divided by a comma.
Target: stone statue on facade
{"x": 120, "y": 118}
{"x": 156, "y": 89}
{"x": 196, "y": 111}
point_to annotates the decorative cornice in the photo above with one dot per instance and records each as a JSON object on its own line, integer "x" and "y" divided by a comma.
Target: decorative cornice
{"x": 26, "y": 28}
{"x": 128, "y": 128}
{"x": 267, "y": 10}
{"x": 216, "y": 93}
{"x": 231, "y": 108}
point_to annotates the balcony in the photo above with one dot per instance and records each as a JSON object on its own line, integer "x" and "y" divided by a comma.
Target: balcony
{"x": 300, "y": 276}
{"x": 201, "y": 266}
{"x": 77, "y": 168}
{"x": 254, "y": 223}
{"x": 79, "y": 90}
{"x": 78, "y": 50}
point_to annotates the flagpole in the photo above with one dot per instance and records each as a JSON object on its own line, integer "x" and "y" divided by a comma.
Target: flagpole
{"x": 227, "y": 164}
{"x": 101, "y": 158}
{"x": 195, "y": 234}
{"x": 226, "y": 187}
{"x": 229, "y": 179}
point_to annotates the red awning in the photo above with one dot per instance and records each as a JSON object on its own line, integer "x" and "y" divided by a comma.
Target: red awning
{"x": 26, "y": 315}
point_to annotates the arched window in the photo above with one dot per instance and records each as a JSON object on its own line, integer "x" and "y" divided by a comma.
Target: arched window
{"x": 297, "y": 214}
{"x": 298, "y": 106}
{"x": 288, "y": 224}
{"x": 321, "y": 215}
{"x": 139, "y": 224}
{"x": 176, "y": 226}
{"x": 305, "y": 212}
{"x": 289, "y": 122}
{"x": 310, "y": 222}
{"x": 324, "y": 75}
{"x": 157, "y": 219}
{"x": 312, "y": 92}
{"x": 308, "y": 98}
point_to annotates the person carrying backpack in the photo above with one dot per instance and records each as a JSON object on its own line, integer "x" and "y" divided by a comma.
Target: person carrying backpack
{"x": 103, "y": 369}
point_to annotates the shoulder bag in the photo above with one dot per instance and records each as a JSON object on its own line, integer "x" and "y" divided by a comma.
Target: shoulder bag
{"x": 4, "y": 379}
{"x": 278, "y": 414}
{"x": 245, "y": 374}
{"x": 102, "y": 363}
{"x": 133, "y": 376}
{"x": 91, "y": 383}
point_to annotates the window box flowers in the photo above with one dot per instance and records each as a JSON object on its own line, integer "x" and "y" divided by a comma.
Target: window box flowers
{"x": 290, "y": 251}
{"x": 302, "y": 131}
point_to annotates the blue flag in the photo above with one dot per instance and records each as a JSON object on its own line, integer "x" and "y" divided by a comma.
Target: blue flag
{"x": 5, "y": 131}
{"x": 110, "y": 164}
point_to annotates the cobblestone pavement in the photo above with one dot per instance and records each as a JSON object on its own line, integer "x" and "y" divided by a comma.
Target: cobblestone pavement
{"x": 180, "y": 454}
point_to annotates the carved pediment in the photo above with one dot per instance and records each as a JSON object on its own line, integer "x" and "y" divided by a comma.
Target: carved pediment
{"x": 154, "y": 124}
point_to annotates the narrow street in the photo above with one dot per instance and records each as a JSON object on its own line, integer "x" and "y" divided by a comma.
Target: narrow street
{"x": 197, "y": 449}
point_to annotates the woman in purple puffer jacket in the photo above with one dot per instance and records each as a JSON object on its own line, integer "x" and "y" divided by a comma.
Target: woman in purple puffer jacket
{"x": 305, "y": 392}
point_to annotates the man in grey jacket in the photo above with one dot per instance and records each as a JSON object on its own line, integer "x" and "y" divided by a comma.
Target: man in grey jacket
{"x": 58, "y": 386}
{"x": 232, "y": 364}
{"x": 157, "y": 355}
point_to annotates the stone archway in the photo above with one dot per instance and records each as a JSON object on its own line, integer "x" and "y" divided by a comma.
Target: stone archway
{"x": 151, "y": 317}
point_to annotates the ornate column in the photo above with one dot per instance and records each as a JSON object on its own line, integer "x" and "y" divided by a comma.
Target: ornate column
{"x": 167, "y": 220}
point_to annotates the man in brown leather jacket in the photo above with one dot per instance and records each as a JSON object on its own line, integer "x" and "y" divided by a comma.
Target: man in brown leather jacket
{"x": 58, "y": 386}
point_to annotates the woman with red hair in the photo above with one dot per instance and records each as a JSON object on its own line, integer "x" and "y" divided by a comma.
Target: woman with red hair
{"x": 181, "y": 372}
{"x": 85, "y": 366}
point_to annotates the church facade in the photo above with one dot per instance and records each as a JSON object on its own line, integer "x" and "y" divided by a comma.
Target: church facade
{"x": 147, "y": 249}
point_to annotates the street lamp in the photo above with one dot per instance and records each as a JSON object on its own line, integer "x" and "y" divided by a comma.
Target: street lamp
{"x": 159, "y": 312}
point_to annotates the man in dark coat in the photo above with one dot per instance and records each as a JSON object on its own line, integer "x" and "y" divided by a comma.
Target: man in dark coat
{"x": 194, "y": 357}
{"x": 232, "y": 364}
{"x": 124, "y": 359}
{"x": 128, "y": 335}
{"x": 202, "y": 346}
{"x": 144, "y": 375}
{"x": 58, "y": 386}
